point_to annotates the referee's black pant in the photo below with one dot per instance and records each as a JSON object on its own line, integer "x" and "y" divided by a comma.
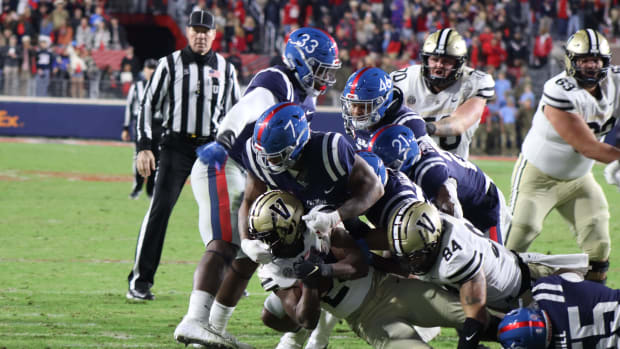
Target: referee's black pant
{"x": 177, "y": 157}
{"x": 150, "y": 181}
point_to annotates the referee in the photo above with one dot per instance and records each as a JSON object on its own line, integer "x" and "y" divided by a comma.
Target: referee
{"x": 132, "y": 109}
{"x": 194, "y": 88}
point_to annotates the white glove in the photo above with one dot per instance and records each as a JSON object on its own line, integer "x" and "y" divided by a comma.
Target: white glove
{"x": 612, "y": 173}
{"x": 322, "y": 222}
{"x": 256, "y": 250}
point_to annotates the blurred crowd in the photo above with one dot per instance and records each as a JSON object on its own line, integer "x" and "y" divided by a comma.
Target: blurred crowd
{"x": 47, "y": 47}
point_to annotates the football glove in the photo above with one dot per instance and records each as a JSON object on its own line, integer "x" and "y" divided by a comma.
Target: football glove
{"x": 256, "y": 250}
{"x": 310, "y": 269}
{"x": 322, "y": 222}
{"x": 612, "y": 173}
{"x": 212, "y": 154}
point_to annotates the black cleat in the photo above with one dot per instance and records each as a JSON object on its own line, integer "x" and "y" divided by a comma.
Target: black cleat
{"x": 135, "y": 194}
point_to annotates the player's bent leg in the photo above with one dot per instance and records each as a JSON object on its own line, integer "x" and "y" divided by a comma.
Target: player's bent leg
{"x": 588, "y": 213}
{"x": 274, "y": 316}
{"x": 393, "y": 334}
{"x": 526, "y": 223}
{"x": 229, "y": 294}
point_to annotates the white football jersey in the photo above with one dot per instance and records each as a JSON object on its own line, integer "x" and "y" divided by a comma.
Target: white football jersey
{"x": 436, "y": 106}
{"x": 464, "y": 252}
{"x": 344, "y": 297}
{"x": 544, "y": 147}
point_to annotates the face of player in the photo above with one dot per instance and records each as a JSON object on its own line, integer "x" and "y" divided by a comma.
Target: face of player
{"x": 589, "y": 67}
{"x": 441, "y": 66}
{"x": 360, "y": 109}
{"x": 200, "y": 39}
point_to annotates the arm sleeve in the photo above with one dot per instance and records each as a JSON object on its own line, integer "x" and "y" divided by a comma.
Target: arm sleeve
{"x": 247, "y": 110}
{"x": 154, "y": 93}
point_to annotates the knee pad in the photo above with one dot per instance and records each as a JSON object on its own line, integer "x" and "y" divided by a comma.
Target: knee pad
{"x": 599, "y": 267}
{"x": 273, "y": 304}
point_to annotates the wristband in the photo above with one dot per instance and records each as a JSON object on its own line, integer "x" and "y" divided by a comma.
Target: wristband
{"x": 470, "y": 335}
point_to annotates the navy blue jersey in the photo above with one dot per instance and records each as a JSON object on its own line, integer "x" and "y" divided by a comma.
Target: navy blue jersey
{"x": 397, "y": 189}
{"x": 435, "y": 166}
{"x": 326, "y": 162}
{"x": 403, "y": 116}
{"x": 476, "y": 192}
{"x": 583, "y": 314}
{"x": 281, "y": 82}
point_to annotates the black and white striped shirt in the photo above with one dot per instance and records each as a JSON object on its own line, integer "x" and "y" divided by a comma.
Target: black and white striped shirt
{"x": 193, "y": 97}
{"x": 134, "y": 98}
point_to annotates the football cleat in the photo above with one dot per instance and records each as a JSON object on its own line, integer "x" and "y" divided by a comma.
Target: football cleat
{"x": 140, "y": 295}
{"x": 194, "y": 331}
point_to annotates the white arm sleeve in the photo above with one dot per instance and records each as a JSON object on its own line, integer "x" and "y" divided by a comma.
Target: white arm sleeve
{"x": 249, "y": 108}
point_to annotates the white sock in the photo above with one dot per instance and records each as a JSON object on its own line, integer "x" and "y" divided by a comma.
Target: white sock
{"x": 320, "y": 335}
{"x": 200, "y": 303}
{"x": 220, "y": 314}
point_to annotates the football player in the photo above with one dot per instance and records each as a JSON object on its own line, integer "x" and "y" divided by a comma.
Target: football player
{"x": 218, "y": 181}
{"x": 380, "y": 308}
{"x": 569, "y": 312}
{"x": 447, "y": 94}
{"x": 444, "y": 250}
{"x": 554, "y": 168}
{"x": 457, "y": 186}
{"x": 369, "y": 101}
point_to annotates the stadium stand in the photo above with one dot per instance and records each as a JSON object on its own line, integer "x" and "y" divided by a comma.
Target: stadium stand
{"x": 88, "y": 38}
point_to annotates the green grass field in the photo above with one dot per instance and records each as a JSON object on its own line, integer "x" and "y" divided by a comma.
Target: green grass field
{"x": 67, "y": 244}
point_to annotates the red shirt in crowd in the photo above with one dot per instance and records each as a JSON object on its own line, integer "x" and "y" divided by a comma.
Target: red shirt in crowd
{"x": 495, "y": 53}
{"x": 543, "y": 45}
{"x": 291, "y": 13}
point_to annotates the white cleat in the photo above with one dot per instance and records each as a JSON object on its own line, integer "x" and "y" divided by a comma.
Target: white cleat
{"x": 232, "y": 340}
{"x": 293, "y": 340}
{"x": 194, "y": 331}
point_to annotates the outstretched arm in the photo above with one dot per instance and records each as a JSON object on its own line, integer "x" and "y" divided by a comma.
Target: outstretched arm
{"x": 461, "y": 119}
{"x": 574, "y": 130}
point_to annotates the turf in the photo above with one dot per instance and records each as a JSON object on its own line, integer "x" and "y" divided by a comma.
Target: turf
{"x": 67, "y": 244}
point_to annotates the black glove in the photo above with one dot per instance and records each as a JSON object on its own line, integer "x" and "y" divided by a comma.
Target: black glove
{"x": 469, "y": 337}
{"x": 226, "y": 139}
{"x": 431, "y": 128}
{"x": 311, "y": 269}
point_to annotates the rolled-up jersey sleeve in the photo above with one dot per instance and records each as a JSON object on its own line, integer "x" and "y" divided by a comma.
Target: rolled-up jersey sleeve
{"x": 338, "y": 156}
{"x": 484, "y": 85}
{"x": 555, "y": 96}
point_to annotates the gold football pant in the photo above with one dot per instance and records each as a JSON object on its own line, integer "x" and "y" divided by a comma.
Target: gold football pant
{"x": 581, "y": 202}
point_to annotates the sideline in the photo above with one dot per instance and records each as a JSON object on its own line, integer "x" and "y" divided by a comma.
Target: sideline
{"x": 42, "y": 140}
